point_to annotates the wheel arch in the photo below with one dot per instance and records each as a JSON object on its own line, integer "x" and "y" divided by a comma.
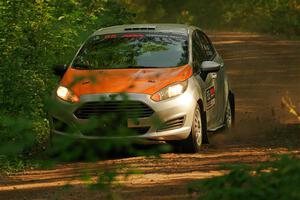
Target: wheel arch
{"x": 204, "y": 120}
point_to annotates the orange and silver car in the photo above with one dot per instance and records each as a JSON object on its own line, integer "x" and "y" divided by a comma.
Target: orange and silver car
{"x": 169, "y": 72}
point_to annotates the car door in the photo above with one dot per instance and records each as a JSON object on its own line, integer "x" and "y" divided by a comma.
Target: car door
{"x": 206, "y": 81}
{"x": 217, "y": 80}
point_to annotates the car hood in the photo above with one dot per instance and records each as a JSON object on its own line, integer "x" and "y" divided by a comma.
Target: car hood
{"x": 145, "y": 81}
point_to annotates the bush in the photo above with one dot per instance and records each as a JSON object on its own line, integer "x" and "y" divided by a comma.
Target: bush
{"x": 34, "y": 36}
{"x": 275, "y": 180}
{"x": 270, "y": 16}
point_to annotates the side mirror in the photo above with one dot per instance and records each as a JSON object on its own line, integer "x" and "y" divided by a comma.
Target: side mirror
{"x": 60, "y": 70}
{"x": 210, "y": 66}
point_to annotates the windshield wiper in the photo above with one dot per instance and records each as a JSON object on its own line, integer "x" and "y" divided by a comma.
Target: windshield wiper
{"x": 87, "y": 67}
{"x": 82, "y": 66}
{"x": 137, "y": 67}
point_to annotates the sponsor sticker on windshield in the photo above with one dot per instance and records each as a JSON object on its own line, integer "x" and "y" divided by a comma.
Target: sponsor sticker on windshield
{"x": 140, "y": 35}
{"x": 128, "y": 35}
{"x": 111, "y": 36}
{"x": 132, "y": 35}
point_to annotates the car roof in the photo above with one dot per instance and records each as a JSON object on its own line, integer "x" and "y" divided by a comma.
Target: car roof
{"x": 173, "y": 28}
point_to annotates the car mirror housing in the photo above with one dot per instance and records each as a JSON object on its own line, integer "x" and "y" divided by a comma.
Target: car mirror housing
{"x": 60, "y": 69}
{"x": 210, "y": 66}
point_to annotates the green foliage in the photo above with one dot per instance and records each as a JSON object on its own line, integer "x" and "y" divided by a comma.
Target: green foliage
{"x": 16, "y": 141}
{"x": 270, "y": 16}
{"x": 15, "y": 164}
{"x": 34, "y": 36}
{"x": 274, "y": 180}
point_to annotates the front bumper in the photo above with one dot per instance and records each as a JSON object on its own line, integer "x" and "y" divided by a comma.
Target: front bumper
{"x": 181, "y": 107}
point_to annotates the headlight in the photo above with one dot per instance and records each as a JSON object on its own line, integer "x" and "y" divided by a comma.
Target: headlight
{"x": 67, "y": 95}
{"x": 172, "y": 90}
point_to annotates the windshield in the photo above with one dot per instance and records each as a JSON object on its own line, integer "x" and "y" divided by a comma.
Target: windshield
{"x": 134, "y": 50}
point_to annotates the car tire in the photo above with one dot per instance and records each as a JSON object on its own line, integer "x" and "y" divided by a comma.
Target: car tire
{"x": 230, "y": 111}
{"x": 198, "y": 133}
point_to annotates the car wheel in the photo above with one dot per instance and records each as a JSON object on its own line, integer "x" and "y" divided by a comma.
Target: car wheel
{"x": 198, "y": 133}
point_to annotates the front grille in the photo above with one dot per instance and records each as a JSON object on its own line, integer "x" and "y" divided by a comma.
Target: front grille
{"x": 112, "y": 131}
{"x": 128, "y": 109}
{"x": 172, "y": 124}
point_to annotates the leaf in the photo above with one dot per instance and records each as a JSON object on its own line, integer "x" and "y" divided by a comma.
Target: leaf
{"x": 61, "y": 17}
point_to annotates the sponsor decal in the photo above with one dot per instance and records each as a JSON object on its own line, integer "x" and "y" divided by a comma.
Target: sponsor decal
{"x": 132, "y": 35}
{"x": 110, "y": 36}
{"x": 138, "y": 35}
{"x": 210, "y": 97}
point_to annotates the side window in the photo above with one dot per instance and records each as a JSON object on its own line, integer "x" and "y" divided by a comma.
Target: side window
{"x": 206, "y": 46}
{"x": 198, "y": 53}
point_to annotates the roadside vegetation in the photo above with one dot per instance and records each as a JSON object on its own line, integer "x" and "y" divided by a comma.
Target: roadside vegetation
{"x": 272, "y": 180}
{"x": 34, "y": 36}
{"x": 275, "y": 17}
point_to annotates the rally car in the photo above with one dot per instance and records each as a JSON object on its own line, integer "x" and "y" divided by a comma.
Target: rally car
{"x": 169, "y": 73}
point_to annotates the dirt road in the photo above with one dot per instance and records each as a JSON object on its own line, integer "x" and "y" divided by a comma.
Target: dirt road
{"x": 261, "y": 70}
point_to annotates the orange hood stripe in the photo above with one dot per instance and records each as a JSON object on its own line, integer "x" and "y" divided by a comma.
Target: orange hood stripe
{"x": 145, "y": 81}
